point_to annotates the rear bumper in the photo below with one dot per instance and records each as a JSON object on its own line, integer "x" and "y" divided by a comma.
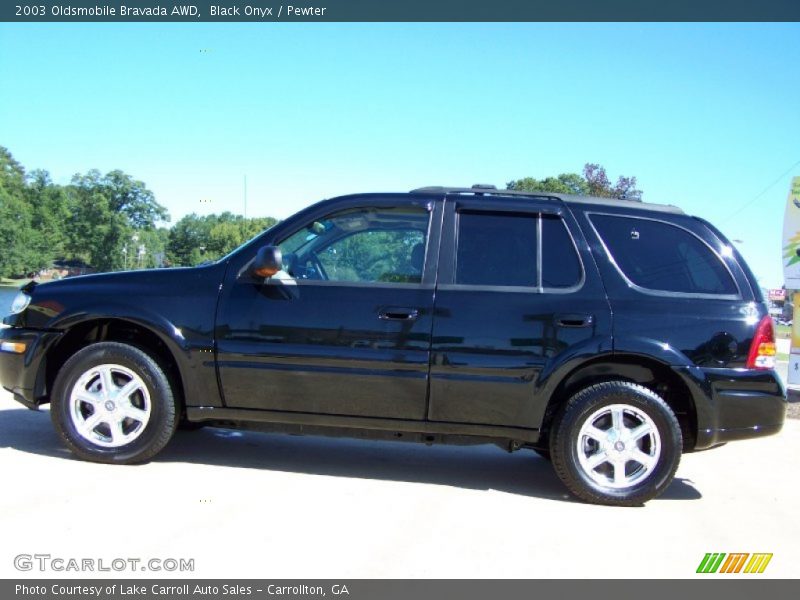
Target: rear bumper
{"x": 735, "y": 404}
{"x": 22, "y": 373}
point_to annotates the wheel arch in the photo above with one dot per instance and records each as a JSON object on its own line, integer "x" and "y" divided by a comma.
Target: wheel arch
{"x": 644, "y": 370}
{"x": 157, "y": 344}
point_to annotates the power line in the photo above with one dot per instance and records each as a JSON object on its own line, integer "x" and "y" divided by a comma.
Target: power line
{"x": 764, "y": 191}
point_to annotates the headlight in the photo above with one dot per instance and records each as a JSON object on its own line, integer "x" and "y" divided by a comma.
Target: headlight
{"x": 20, "y": 303}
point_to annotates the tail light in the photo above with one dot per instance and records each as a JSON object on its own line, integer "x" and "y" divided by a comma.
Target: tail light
{"x": 762, "y": 350}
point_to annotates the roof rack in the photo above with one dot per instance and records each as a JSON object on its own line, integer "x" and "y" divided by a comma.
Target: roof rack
{"x": 482, "y": 189}
{"x": 479, "y": 189}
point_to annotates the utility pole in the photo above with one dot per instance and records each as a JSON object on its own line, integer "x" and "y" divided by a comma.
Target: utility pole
{"x": 245, "y": 196}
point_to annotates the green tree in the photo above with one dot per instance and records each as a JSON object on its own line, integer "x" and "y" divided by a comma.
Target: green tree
{"x": 195, "y": 239}
{"x": 187, "y": 240}
{"x": 50, "y": 214}
{"x": 593, "y": 182}
{"x": 124, "y": 195}
{"x": 107, "y": 210}
{"x": 96, "y": 234}
{"x": 231, "y": 231}
{"x": 21, "y": 245}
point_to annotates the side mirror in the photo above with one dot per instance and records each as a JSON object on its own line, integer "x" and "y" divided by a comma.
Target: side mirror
{"x": 267, "y": 262}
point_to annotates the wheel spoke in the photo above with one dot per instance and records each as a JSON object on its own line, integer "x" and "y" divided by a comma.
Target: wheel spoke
{"x": 640, "y": 431}
{"x": 642, "y": 458}
{"x": 87, "y": 397}
{"x": 595, "y": 433}
{"x": 91, "y": 422}
{"x": 617, "y": 421}
{"x": 619, "y": 472}
{"x": 595, "y": 460}
{"x": 115, "y": 427}
{"x": 108, "y": 381}
{"x": 128, "y": 389}
{"x": 137, "y": 414}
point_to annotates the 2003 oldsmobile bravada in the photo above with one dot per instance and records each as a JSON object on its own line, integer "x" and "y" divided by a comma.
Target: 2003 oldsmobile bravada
{"x": 608, "y": 335}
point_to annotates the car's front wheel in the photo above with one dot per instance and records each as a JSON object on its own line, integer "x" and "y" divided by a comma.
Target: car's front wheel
{"x": 616, "y": 443}
{"x": 112, "y": 403}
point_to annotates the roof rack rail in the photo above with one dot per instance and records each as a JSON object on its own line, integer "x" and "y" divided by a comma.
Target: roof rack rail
{"x": 479, "y": 189}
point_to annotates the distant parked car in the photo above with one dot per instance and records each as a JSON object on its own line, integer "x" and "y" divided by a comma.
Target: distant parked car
{"x": 608, "y": 335}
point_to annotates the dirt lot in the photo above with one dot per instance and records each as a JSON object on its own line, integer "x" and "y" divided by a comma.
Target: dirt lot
{"x": 247, "y": 504}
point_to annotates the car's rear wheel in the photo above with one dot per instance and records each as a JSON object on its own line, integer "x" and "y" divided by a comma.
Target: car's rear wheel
{"x": 113, "y": 403}
{"x": 616, "y": 443}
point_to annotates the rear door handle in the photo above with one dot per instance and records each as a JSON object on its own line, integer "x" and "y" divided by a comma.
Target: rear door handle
{"x": 574, "y": 320}
{"x": 396, "y": 313}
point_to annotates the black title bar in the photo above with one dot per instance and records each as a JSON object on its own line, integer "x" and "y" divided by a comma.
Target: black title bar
{"x": 401, "y": 10}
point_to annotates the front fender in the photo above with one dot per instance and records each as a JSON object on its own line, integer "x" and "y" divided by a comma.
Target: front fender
{"x": 193, "y": 352}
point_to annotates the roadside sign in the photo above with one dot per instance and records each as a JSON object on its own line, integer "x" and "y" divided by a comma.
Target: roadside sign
{"x": 794, "y": 353}
{"x": 791, "y": 237}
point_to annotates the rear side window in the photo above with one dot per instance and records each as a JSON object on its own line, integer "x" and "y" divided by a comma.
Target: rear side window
{"x": 497, "y": 249}
{"x": 503, "y": 249}
{"x": 659, "y": 256}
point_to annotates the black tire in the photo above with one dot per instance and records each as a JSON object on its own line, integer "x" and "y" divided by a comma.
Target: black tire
{"x": 660, "y": 451}
{"x": 152, "y": 396}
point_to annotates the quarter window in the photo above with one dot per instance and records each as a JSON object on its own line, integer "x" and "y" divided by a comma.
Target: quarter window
{"x": 561, "y": 266}
{"x": 659, "y": 256}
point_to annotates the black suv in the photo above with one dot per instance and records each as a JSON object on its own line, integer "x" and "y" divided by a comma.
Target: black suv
{"x": 610, "y": 336}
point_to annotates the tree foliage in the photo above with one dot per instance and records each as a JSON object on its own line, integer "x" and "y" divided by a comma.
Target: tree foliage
{"x": 593, "y": 182}
{"x": 195, "y": 239}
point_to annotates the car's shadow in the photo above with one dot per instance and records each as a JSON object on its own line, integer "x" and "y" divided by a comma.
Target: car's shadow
{"x": 473, "y": 467}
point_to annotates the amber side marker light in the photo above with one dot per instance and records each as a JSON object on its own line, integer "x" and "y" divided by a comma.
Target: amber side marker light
{"x": 762, "y": 349}
{"x": 15, "y": 347}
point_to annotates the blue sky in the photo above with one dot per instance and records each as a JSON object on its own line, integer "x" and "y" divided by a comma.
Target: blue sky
{"x": 707, "y": 116}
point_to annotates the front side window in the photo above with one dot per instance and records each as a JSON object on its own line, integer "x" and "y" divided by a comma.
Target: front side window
{"x": 659, "y": 256}
{"x": 366, "y": 245}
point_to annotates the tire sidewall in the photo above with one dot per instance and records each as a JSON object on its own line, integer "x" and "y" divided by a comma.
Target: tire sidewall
{"x": 162, "y": 410}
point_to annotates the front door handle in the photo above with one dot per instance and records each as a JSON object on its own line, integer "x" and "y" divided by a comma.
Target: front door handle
{"x": 574, "y": 320}
{"x": 396, "y": 313}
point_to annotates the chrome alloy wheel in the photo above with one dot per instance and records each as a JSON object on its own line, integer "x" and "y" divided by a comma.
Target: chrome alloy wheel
{"x": 109, "y": 405}
{"x": 618, "y": 446}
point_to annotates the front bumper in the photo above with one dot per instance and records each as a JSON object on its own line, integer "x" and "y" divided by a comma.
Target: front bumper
{"x": 735, "y": 404}
{"x": 22, "y": 372}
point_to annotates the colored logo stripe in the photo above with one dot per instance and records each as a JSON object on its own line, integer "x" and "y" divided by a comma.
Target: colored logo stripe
{"x": 734, "y": 563}
{"x": 758, "y": 563}
{"x": 712, "y": 562}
